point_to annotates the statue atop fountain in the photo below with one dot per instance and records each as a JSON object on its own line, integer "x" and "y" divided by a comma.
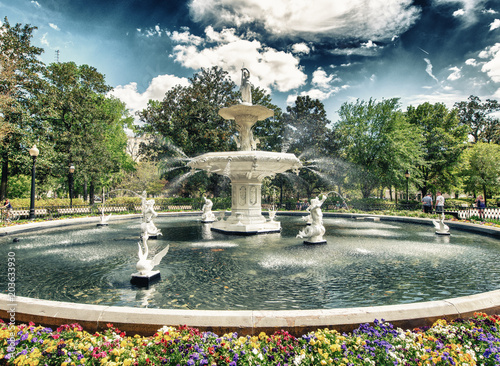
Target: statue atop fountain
{"x": 148, "y": 213}
{"x": 245, "y": 87}
{"x": 246, "y": 168}
{"x": 315, "y": 231}
{"x": 207, "y": 215}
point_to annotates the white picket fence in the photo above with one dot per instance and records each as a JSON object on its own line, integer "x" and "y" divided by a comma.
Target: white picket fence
{"x": 489, "y": 213}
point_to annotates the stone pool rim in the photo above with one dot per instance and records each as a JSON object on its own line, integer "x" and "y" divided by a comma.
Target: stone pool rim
{"x": 145, "y": 321}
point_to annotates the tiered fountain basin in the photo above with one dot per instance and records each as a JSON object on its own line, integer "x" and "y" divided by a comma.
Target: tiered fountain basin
{"x": 145, "y": 320}
{"x": 246, "y": 170}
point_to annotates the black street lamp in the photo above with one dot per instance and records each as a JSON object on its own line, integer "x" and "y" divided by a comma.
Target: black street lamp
{"x": 407, "y": 175}
{"x": 71, "y": 171}
{"x": 33, "y": 153}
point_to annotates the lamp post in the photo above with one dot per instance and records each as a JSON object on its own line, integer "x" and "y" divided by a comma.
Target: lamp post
{"x": 407, "y": 175}
{"x": 33, "y": 153}
{"x": 71, "y": 171}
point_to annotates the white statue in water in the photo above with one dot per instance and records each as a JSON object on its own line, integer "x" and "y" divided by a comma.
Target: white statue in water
{"x": 148, "y": 213}
{"x": 315, "y": 231}
{"x": 145, "y": 266}
{"x": 207, "y": 215}
{"x": 245, "y": 88}
{"x": 441, "y": 227}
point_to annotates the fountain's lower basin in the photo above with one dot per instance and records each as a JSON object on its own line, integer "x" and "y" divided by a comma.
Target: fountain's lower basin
{"x": 298, "y": 319}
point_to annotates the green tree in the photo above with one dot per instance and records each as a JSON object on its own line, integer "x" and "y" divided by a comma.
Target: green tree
{"x": 477, "y": 116}
{"x": 188, "y": 117}
{"x": 20, "y": 68}
{"x": 306, "y": 127}
{"x": 376, "y": 138}
{"x": 444, "y": 140}
{"x": 145, "y": 177}
{"x": 86, "y": 127}
{"x": 482, "y": 168}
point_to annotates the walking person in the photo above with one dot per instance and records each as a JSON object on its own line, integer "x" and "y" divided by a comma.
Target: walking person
{"x": 427, "y": 203}
{"x": 481, "y": 205}
{"x": 439, "y": 203}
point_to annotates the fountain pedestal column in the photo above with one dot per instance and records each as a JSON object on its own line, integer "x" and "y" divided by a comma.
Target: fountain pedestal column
{"x": 246, "y": 213}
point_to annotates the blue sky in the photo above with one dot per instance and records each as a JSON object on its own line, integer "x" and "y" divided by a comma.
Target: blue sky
{"x": 334, "y": 50}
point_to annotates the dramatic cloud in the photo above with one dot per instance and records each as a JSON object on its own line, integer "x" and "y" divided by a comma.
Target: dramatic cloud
{"x": 492, "y": 66}
{"x": 495, "y": 24}
{"x": 301, "y": 48}
{"x": 53, "y": 26}
{"x": 456, "y": 73}
{"x": 428, "y": 69}
{"x": 355, "y": 19}
{"x": 467, "y": 9}
{"x": 321, "y": 79}
{"x": 136, "y": 101}
{"x": 271, "y": 69}
{"x": 471, "y": 62}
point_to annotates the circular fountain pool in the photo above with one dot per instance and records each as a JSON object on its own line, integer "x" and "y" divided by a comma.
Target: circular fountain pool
{"x": 363, "y": 264}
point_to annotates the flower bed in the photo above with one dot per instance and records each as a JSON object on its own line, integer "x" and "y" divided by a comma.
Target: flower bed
{"x": 475, "y": 341}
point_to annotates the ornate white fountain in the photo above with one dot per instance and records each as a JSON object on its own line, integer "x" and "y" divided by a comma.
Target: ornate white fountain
{"x": 246, "y": 168}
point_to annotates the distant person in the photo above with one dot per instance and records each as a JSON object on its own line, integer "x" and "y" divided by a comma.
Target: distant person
{"x": 481, "y": 205}
{"x": 8, "y": 208}
{"x": 427, "y": 203}
{"x": 439, "y": 203}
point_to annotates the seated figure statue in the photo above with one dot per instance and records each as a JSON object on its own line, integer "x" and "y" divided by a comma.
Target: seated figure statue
{"x": 207, "y": 215}
{"x": 315, "y": 231}
{"x": 148, "y": 212}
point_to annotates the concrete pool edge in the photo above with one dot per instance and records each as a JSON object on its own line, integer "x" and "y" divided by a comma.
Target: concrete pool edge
{"x": 146, "y": 321}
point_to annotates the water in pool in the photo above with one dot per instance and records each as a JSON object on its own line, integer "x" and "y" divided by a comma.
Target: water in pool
{"x": 363, "y": 264}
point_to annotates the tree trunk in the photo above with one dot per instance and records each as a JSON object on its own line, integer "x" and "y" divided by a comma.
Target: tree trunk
{"x": 92, "y": 198}
{"x": 5, "y": 175}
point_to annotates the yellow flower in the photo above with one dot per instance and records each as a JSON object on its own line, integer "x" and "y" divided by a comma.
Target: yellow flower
{"x": 335, "y": 347}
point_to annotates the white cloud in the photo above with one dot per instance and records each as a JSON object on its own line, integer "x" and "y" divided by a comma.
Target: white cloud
{"x": 269, "y": 68}
{"x": 428, "y": 69}
{"x": 312, "y": 19}
{"x": 471, "y": 62}
{"x": 185, "y": 37}
{"x": 36, "y": 3}
{"x": 492, "y": 66}
{"x": 495, "y": 24}
{"x": 321, "y": 79}
{"x": 468, "y": 9}
{"x": 54, "y": 26}
{"x": 368, "y": 44}
{"x": 44, "y": 40}
{"x": 489, "y": 11}
{"x": 156, "y": 90}
{"x": 456, "y": 73}
{"x": 301, "y": 48}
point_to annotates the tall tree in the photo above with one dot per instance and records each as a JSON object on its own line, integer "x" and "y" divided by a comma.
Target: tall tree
{"x": 482, "y": 168}
{"x": 376, "y": 138}
{"x": 478, "y": 117}
{"x": 188, "y": 117}
{"x": 19, "y": 83}
{"x": 74, "y": 103}
{"x": 444, "y": 139}
{"x": 306, "y": 126}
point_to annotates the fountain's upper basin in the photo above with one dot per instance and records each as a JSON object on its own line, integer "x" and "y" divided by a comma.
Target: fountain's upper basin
{"x": 242, "y": 164}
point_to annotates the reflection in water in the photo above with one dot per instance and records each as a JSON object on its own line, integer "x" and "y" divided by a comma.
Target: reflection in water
{"x": 364, "y": 264}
